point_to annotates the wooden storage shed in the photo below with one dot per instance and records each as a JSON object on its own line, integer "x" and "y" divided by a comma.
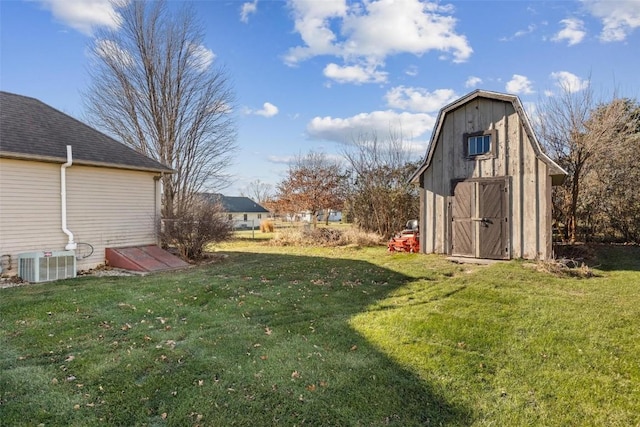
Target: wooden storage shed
{"x": 485, "y": 183}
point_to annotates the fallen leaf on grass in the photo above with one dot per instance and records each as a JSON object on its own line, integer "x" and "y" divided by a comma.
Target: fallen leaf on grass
{"x": 295, "y": 375}
{"x": 164, "y": 415}
{"x": 267, "y": 330}
{"x": 354, "y": 348}
{"x": 311, "y": 387}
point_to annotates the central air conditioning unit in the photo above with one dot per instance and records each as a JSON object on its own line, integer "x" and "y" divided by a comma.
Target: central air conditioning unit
{"x": 46, "y": 266}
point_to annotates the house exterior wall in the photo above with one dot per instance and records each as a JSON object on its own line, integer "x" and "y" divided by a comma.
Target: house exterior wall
{"x": 253, "y": 219}
{"x": 105, "y": 207}
{"x": 527, "y": 176}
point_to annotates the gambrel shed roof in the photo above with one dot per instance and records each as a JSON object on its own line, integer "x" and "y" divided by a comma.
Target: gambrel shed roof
{"x": 32, "y": 130}
{"x": 557, "y": 173}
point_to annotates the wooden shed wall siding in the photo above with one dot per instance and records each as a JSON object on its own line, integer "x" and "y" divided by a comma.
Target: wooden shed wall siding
{"x": 528, "y": 177}
{"x": 105, "y": 207}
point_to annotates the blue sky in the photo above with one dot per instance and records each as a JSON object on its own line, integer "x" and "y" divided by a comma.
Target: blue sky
{"x": 313, "y": 75}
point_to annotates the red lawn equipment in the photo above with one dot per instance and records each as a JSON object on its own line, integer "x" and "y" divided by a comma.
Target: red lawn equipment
{"x": 407, "y": 240}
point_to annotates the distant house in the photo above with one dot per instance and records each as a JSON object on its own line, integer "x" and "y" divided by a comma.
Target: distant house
{"x": 485, "y": 183}
{"x": 64, "y": 185}
{"x": 244, "y": 212}
{"x": 334, "y": 216}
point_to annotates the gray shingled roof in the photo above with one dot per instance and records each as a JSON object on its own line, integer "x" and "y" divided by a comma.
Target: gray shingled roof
{"x": 234, "y": 204}
{"x": 32, "y": 130}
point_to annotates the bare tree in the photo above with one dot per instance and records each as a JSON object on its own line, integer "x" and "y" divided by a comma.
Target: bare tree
{"x": 578, "y": 132}
{"x": 314, "y": 183}
{"x": 154, "y": 87}
{"x": 381, "y": 199}
{"x": 258, "y": 191}
{"x": 562, "y": 128}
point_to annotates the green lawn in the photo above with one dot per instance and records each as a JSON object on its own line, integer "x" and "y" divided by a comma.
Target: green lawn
{"x": 310, "y": 336}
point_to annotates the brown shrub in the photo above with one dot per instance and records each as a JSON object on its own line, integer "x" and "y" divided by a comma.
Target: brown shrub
{"x": 197, "y": 226}
{"x": 267, "y": 226}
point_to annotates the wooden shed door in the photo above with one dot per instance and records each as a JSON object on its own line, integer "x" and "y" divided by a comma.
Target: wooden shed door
{"x": 479, "y": 219}
{"x": 492, "y": 232}
{"x": 462, "y": 209}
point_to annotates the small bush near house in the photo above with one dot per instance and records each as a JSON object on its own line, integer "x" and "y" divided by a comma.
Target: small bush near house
{"x": 200, "y": 224}
{"x": 266, "y": 226}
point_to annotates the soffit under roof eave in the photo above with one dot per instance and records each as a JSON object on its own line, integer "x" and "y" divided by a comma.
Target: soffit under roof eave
{"x": 80, "y": 162}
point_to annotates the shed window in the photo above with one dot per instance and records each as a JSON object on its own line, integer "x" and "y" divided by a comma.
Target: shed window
{"x": 477, "y": 145}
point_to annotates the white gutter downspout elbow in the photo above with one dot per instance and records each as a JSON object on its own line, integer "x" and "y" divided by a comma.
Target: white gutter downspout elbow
{"x": 71, "y": 245}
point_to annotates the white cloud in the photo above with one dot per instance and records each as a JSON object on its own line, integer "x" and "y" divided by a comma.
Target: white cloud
{"x": 412, "y": 71}
{"x": 520, "y": 33}
{"x": 619, "y": 18}
{"x": 354, "y": 74}
{"x": 418, "y": 99}
{"x": 473, "y": 81}
{"x": 268, "y": 110}
{"x": 519, "y": 85}
{"x": 312, "y": 23}
{"x": 280, "y": 160}
{"x": 247, "y": 9}
{"x": 84, "y": 15}
{"x": 379, "y": 122}
{"x": 201, "y": 57}
{"x": 108, "y": 49}
{"x": 367, "y": 32}
{"x": 573, "y": 31}
{"x": 569, "y": 81}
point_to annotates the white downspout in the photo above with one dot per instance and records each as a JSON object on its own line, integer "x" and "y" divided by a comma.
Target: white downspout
{"x": 63, "y": 196}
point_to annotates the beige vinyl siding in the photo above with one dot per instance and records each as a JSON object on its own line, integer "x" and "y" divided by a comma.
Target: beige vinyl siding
{"x": 29, "y": 209}
{"x": 528, "y": 179}
{"x": 105, "y": 208}
{"x": 110, "y": 208}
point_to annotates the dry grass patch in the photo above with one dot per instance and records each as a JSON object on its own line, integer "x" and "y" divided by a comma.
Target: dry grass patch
{"x": 564, "y": 268}
{"x": 326, "y": 237}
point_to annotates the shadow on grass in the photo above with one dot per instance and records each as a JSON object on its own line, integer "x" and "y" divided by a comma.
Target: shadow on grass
{"x": 617, "y": 257}
{"x": 259, "y": 339}
{"x": 607, "y": 257}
